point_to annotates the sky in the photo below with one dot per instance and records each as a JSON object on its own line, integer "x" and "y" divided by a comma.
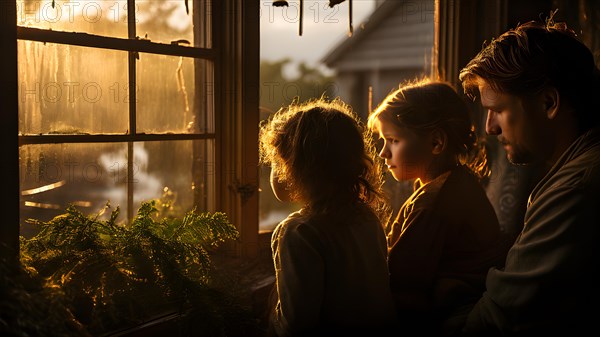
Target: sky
{"x": 323, "y": 29}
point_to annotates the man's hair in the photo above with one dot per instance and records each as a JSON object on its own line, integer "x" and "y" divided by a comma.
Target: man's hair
{"x": 533, "y": 56}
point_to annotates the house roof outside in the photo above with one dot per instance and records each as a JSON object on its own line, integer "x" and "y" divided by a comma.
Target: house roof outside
{"x": 398, "y": 34}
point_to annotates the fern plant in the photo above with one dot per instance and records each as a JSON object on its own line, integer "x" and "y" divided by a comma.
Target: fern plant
{"x": 28, "y": 308}
{"x": 116, "y": 276}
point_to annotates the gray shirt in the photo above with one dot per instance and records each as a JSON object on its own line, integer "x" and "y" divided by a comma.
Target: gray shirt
{"x": 549, "y": 285}
{"x": 331, "y": 274}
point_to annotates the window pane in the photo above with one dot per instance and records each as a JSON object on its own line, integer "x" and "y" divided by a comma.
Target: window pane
{"x": 179, "y": 173}
{"x": 63, "y": 90}
{"x": 167, "y": 21}
{"x": 175, "y": 94}
{"x": 54, "y": 176}
{"x": 168, "y": 171}
{"x": 99, "y": 17}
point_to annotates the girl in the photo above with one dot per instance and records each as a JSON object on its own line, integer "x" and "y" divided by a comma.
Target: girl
{"x": 446, "y": 235}
{"x": 329, "y": 257}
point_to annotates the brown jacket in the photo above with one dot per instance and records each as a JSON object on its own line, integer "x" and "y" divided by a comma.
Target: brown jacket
{"x": 443, "y": 242}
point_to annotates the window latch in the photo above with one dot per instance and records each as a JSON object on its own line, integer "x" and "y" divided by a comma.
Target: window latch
{"x": 244, "y": 190}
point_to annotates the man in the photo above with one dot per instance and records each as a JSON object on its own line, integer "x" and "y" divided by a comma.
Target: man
{"x": 539, "y": 85}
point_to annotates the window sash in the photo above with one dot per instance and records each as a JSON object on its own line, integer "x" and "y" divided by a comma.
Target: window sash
{"x": 133, "y": 45}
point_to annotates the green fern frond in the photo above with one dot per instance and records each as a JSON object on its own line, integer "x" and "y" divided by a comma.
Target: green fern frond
{"x": 109, "y": 271}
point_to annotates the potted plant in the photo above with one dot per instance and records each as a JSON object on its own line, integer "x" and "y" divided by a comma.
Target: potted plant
{"x": 143, "y": 278}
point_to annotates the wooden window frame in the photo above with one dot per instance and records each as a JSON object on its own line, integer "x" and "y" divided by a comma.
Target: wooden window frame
{"x": 235, "y": 56}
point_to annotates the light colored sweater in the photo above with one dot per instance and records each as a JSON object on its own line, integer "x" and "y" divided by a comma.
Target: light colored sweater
{"x": 331, "y": 274}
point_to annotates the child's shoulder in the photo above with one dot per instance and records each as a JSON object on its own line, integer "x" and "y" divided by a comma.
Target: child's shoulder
{"x": 293, "y": 223}
{"x": 297, "y": 229}
{"x": 304, "y": 221}
{"x": 426, "y": 195}
{"x": 293, "y": 220}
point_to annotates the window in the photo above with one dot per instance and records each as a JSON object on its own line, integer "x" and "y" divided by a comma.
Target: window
{"x": 102, "y": 120}
{"x": 391, "y": 42}
{"x": 133, "y": 100}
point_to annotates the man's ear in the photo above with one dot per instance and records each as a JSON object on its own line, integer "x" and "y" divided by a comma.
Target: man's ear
{"x": 551, "y": 101}
{"x": 439, "y": 141}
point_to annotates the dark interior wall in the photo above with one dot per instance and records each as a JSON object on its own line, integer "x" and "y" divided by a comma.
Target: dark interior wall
{"x": 524, "y": 11}
{"x": 583, "y": 16}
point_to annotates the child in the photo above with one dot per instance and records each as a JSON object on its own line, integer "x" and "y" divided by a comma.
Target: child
{"x": 446, "y": 235}
{"x": 329, "y": 257}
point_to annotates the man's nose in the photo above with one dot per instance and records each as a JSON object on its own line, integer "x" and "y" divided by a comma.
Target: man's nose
{"x": 491, "y": 124}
